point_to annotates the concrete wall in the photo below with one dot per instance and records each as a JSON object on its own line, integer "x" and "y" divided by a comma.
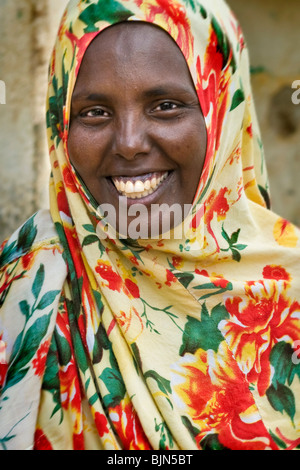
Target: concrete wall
{"x": 272, "y": 33}
{"x": 28, "y": 28}
{"x": 27, "y": 32}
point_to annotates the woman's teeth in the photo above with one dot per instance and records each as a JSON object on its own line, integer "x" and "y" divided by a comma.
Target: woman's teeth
{"x": 137, "y": 188}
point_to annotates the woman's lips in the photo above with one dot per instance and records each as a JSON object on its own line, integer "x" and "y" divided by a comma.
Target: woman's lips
{"x": 140, "y": 186}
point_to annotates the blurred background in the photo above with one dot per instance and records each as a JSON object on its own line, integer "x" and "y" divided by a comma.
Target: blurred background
{"x": 28, "y": 29}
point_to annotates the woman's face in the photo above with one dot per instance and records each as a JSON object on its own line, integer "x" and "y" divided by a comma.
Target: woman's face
{"x": 137, "y": 134}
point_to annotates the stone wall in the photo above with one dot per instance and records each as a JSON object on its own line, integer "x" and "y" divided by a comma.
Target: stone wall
{"x": 272, "y": 33}
{"x": 28, "y": 28}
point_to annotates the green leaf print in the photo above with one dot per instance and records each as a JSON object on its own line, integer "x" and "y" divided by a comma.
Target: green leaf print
{"x": 27, "y": 348}
{"x": 38, "y": 281}
{"x": 282, "y": 399}
{"x": 232, "y": 242}
{"x": 279, "y": 394}
{"x": 237, "y": 99}
{"x": 105, "y": 10}
{"x": 26, "y": 236}
{"x": 184, "y": 278}
{"x": 265, "y": 194}
{"x": 63, "y": 349}
{"x": 114, "y": 383}
{"x": 223, "y": 43}
{"x": 29, "y": 339}
{"x": 51, "y": 380}
{"x": 190, "y": 427}
{"x": 281, "y": 360}
{"x": 89, "y": 239}
{"x": 211, "y": 442}
{"x": 166, "y": 440}
{"x": 213, "y": 287}
{"x": 101, "y": 342}
{"x": 163, "y": 384}
{"x": 48, "y": 298}
{"x": 54, "y": 116}
{"x": 204, "y": 333}
{"x": 25, "y": 308}
{"x": 137, "y": 357}
{"x": 192, "y": 4}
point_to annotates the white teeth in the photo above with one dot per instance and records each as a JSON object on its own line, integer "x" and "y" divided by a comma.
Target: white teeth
{"x": 147, "y": 185}
{"x": 138, "y": 189}
{"x": 153, "y": 182}
{"x": 129, "y": 188}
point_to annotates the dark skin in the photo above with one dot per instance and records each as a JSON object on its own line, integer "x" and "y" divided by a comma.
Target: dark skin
{"x": 134, "y": 114}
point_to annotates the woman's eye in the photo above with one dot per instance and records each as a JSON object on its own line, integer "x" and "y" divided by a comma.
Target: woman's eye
{"x": 95, "y": 112}
{"x": 167, "y": 106}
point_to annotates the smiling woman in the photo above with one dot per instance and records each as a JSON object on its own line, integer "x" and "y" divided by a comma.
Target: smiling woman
{"x": 136, "y": 126}
{"x": 162, "y": 342}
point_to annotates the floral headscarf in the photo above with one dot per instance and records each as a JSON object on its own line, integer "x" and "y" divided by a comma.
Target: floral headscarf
{"x": 171, "y": 343}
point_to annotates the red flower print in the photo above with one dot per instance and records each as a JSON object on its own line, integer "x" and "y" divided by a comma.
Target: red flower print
{"x": 203, "y": 272}
{"x": 78, "y": 441}
{"x": 276, "y": 272}
{"x": 80, "y": 45}
{"x": 215, "y": 204}
{"x": 70, "y": 387}
{"x": 68, "y": 375}
{"x": 8, "y": 280}
{"x": 62, "y": 201}
{"x": 177, "y": 261}
{"x": 217, "y": 399}
{"x": 40, "y": 441}
{"x": 27, "y": 260}
{"x": 132, "y": 288}
{"x": 171, "y": 16}
{"x": 3, "y": 245}
{"x": 218, "y": 281}
{"x": 3, "y": 372}
{"x": 285, "y": 233}
{"x": 292, "y": 444}
{"x": 40, "y": 361}
{"x": 213, "y": 92}
{"x": 101, "y": 423}
{"x": 69, "y": 179}
{"x": 170, "y": 278}
{"x": 134, "y": 260}
{"x": 250, "y": 130}
{"x": 128, "y": 427}
{"x": 258, "y": 321}
{"x": 106, "y": 272}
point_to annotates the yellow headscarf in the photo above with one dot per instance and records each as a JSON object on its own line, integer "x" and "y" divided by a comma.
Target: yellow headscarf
{"x": 174, "y": 343}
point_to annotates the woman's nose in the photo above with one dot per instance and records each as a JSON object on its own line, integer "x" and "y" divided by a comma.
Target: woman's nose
{"x": 131, "y": 136}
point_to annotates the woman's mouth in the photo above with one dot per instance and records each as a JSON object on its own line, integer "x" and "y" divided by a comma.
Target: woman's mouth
{"x": 140, "y": 186}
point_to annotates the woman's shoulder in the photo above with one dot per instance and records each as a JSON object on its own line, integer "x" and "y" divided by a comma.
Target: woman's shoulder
{"x": 36, "y": 234}
{"x": 32, "y": 276}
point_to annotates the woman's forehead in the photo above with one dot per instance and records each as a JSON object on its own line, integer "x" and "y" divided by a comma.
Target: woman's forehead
{"x": 129, "y": 38}
{"x": 133, "y": 48}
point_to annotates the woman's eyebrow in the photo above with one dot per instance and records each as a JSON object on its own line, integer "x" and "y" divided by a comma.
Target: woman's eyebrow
{"x": 164, "y": 90}
{"x": 90, "y": 97}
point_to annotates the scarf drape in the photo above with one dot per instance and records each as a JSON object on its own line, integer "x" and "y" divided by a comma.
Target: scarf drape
{"x": 169, "y": 343}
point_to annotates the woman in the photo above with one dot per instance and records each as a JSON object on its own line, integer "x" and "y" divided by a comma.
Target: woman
{"x": 113, "y": 337}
